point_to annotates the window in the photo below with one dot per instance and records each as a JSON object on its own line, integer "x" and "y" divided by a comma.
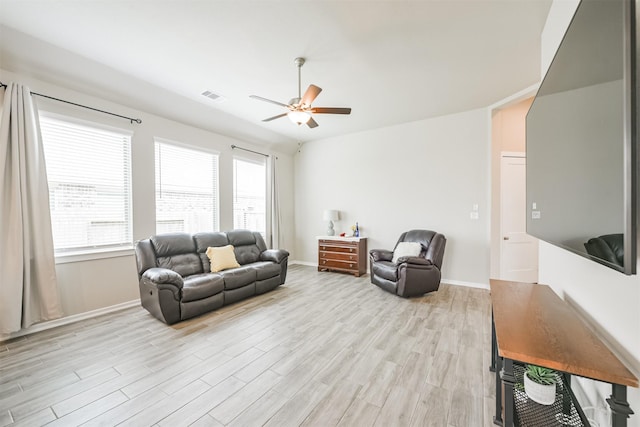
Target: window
{"x": 250, "y": 195}
{"x": 186, "y": 189}
{"x": 89, "y": 174}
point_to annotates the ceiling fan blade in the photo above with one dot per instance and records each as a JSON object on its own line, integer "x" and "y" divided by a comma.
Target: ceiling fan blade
{"x": 312, "y": 123}
{"x": 331, "y": 110}
{"x": 312, "y": 92}
{"x": 275, "y": 117}
{"x": 268, "y": 100}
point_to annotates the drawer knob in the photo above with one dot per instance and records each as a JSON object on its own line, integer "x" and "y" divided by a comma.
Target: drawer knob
{"x": 351, "y": 249}
{"x": 324, "y": 262}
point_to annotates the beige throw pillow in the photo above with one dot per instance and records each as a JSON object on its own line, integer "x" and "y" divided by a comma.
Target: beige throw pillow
{"x": 222, "y": 258}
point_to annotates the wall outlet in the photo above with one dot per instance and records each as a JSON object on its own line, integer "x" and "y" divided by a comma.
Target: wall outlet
{"x": 535, "y": 215}
{"x": 474, "y": 215}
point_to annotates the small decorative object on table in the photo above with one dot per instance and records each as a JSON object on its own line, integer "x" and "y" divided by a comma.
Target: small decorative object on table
{"x": 540, "y": 384}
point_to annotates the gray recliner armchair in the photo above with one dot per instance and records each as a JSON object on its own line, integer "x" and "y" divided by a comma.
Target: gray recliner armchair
{"x": 410, "y": 276}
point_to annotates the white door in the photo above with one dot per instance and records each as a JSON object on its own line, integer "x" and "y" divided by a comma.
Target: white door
{"x": 518, "y": 250}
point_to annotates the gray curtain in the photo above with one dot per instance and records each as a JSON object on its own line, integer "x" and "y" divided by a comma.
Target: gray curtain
{"x": 28, "y": 286}
{"x": 276, "y": 217}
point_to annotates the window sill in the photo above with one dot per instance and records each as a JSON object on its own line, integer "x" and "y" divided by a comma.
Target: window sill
{"x": 88, "y": 255}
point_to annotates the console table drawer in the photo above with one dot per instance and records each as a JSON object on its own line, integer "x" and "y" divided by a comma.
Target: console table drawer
{"x": 338, "y": 248}
{"x": 338, "y": 256}
{"x": 343, "y": 265}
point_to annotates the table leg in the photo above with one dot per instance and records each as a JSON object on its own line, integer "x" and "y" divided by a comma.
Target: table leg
{"x": 494, "y": 345}
{"x": 497, "y": 419}
{"x": 620, "y": 409}
{"x": 508, "y": 381}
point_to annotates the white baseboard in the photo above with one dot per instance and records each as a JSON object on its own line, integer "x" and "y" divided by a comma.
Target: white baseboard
{"x": 310, "y": 264}
{"x": 448, "y": 281}
{"x": 38, "y": 327}
{"x": 468, "y": 284}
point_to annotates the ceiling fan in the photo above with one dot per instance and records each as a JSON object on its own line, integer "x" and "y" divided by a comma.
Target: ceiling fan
{"x": 300, "y": 109}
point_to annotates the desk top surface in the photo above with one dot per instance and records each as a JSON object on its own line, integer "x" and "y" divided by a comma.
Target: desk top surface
{"x": 533, "y": 325}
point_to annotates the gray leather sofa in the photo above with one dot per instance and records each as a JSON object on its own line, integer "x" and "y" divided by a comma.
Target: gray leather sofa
{"x": 175, "y": 278}
{"x": 410, "y": 276}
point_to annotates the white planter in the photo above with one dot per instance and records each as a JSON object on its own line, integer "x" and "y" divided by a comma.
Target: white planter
{"x": 543, "y": 394}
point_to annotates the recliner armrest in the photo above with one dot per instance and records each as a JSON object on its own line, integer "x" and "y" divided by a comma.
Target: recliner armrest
{"x": 163, "y": 276}
{"x": 275, "y": 255}
{"x": 381, "y": 255}
{"x": 414, "y": 260}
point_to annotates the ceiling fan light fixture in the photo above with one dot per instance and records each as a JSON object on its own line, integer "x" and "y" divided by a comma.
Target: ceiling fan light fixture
{"x": 299, "y": 117}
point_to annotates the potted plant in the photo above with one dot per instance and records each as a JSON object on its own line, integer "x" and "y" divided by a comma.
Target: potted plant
{"x": 540, "y": 384}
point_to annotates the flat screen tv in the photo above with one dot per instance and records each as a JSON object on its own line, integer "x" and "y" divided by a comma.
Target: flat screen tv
{"x": 581, "y": 139}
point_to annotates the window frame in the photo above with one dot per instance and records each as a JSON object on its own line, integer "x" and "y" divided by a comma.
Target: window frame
{"x": 107, "y": 251}
{"x": 193, "y": 147}
{"x": 262, "y": 161}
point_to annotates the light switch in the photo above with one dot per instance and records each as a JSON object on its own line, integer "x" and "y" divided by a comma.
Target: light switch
{"x": 534, "y": 206}
{"x": 475, "y": 207}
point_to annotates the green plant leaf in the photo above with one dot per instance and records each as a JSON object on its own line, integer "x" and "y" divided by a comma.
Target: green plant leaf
{"x": 540, "y": 375}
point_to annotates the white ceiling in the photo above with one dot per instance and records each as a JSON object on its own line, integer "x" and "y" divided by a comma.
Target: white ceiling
{"x": 391, "y": 61}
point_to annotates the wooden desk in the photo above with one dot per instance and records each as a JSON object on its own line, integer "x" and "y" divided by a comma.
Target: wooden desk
{"x": 531, "y": 324}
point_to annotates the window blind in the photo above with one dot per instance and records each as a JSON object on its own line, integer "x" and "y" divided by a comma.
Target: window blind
{"x": 89, "y": 175}
{"x": 186, "y": 189}
{"x": 250, "y": 195}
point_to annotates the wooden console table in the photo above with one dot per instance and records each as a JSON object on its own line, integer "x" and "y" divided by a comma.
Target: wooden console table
{"x": 532, "y": 325}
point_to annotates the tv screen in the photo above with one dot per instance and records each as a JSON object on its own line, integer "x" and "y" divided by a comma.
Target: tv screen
{"x": 580, "y": 145}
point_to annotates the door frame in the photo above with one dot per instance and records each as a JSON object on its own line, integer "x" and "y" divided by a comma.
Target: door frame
{"x": 503, "y": 155}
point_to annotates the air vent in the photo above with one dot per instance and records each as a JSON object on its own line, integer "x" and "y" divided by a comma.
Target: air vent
{"x": 213, "y": 96}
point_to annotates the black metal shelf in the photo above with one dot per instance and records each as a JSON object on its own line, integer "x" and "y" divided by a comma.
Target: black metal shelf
{"x": 565, "y": 411}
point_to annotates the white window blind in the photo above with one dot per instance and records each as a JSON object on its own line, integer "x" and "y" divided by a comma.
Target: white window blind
{"x": 250, "y": 195}
{"x": 186, "y": 189}
{"x": 89, "y": 175}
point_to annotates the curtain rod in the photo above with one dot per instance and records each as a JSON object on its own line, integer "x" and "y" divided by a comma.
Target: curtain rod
{"x": 80, "y": 105}
{"x": 246, "y": 149}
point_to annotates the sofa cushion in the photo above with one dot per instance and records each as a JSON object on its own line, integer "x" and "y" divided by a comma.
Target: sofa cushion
{"x": 238, "y": 277}
{"x": 201, "y": 286}
{"x": 176, "y": 251}
{"x": 169, "y": 244}
{"x": 245, "y": 246}
{"x": 184, "y": 264}
{"x": 247, "y": 254}
{"x": 386, "y": 269}
{"x": 205, "y": 240}
{"x": 222, "y": 258}
{"x": 265, "y": 269}
{"x": 241, "y": 238}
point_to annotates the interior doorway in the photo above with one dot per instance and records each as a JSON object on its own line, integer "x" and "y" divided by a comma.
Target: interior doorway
{"x": 518, "y": 250}
{"x": 515, "y": 258}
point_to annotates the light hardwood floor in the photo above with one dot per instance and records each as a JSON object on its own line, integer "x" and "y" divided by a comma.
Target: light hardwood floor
{"x": 325, "y": 349}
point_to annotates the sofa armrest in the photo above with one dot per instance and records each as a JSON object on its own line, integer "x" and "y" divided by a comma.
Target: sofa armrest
{"x": 275, "y": 255}
{"x": 415, "y": 260}
{"x": 163, "y": 276}
{"x": 381, "y": 255}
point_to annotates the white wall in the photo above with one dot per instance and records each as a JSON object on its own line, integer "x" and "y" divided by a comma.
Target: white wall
{"x": 608, "y": 300}
{"x": 426, "y": 174}
{"x": 95, "y": 284}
